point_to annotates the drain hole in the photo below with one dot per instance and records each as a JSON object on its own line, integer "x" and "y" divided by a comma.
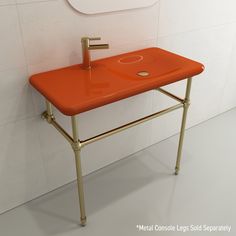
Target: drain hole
{"x": 143, "y": 73}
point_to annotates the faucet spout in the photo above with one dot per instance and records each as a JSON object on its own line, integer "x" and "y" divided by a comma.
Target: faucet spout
{"x": 86, "y": 47}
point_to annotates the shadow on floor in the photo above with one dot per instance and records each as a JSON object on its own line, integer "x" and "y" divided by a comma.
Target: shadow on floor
{"x": 58, "y": 212}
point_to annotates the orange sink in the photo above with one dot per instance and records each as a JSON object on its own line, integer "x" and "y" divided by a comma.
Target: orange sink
{"x": 74, "y": 90}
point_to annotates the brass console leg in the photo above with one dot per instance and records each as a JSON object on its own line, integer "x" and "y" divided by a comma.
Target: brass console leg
{"x": 182, "y": 132}
{"x": 77, "y": 148}
{"x": 48, "y": 114}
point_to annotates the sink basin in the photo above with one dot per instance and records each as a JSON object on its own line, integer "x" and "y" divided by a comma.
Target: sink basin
{"x": 151, "y": 61}
{"x": 74, "y": 90}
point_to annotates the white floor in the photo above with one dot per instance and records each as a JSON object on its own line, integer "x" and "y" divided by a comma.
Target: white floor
{"x": 142, "y": 190}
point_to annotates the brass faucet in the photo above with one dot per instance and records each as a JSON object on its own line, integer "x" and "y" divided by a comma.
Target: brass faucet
{"x": 86, "y": 47}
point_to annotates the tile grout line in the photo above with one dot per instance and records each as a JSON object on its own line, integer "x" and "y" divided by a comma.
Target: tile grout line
{"x": 23, "y": 3}
{"x": 227, "y": 74}
{"x": 158, "y": 23}
{"x": 39, "y": 1}
{"x": 22, "y": 38}
{"x": 198, "y": 29}
{"x": 25, "y": 55}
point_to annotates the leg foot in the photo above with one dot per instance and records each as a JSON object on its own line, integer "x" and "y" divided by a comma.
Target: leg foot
{"x": 44, "y": 115}
{"x": 176, "y": 171}
{"x": 83, "y": 221}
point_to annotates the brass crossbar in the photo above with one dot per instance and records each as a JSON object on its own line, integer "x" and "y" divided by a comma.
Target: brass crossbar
{"x": 77, "y": 144}
{"x": 129, "y": 125}
{"x": 170, "y": 95}
{"x": 113, "y": 131}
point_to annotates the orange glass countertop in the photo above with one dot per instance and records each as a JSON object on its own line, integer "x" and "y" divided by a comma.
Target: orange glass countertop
{"x": 73, "y": 90}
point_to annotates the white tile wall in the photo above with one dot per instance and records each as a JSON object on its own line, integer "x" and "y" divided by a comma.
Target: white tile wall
{"x": 11, "y": 48}
{"x": 15, "y": 96}
{"x": 22, "y": 173}
{"x": 228, "y": 97}
{"x": 39, "y": 35}
{"x": 187, "y": 15}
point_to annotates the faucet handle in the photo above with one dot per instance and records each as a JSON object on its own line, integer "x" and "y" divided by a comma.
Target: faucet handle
{"x": 96, "y": 46}
{"x": 86, "y": 47}
{"x": 95, "y": 38}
